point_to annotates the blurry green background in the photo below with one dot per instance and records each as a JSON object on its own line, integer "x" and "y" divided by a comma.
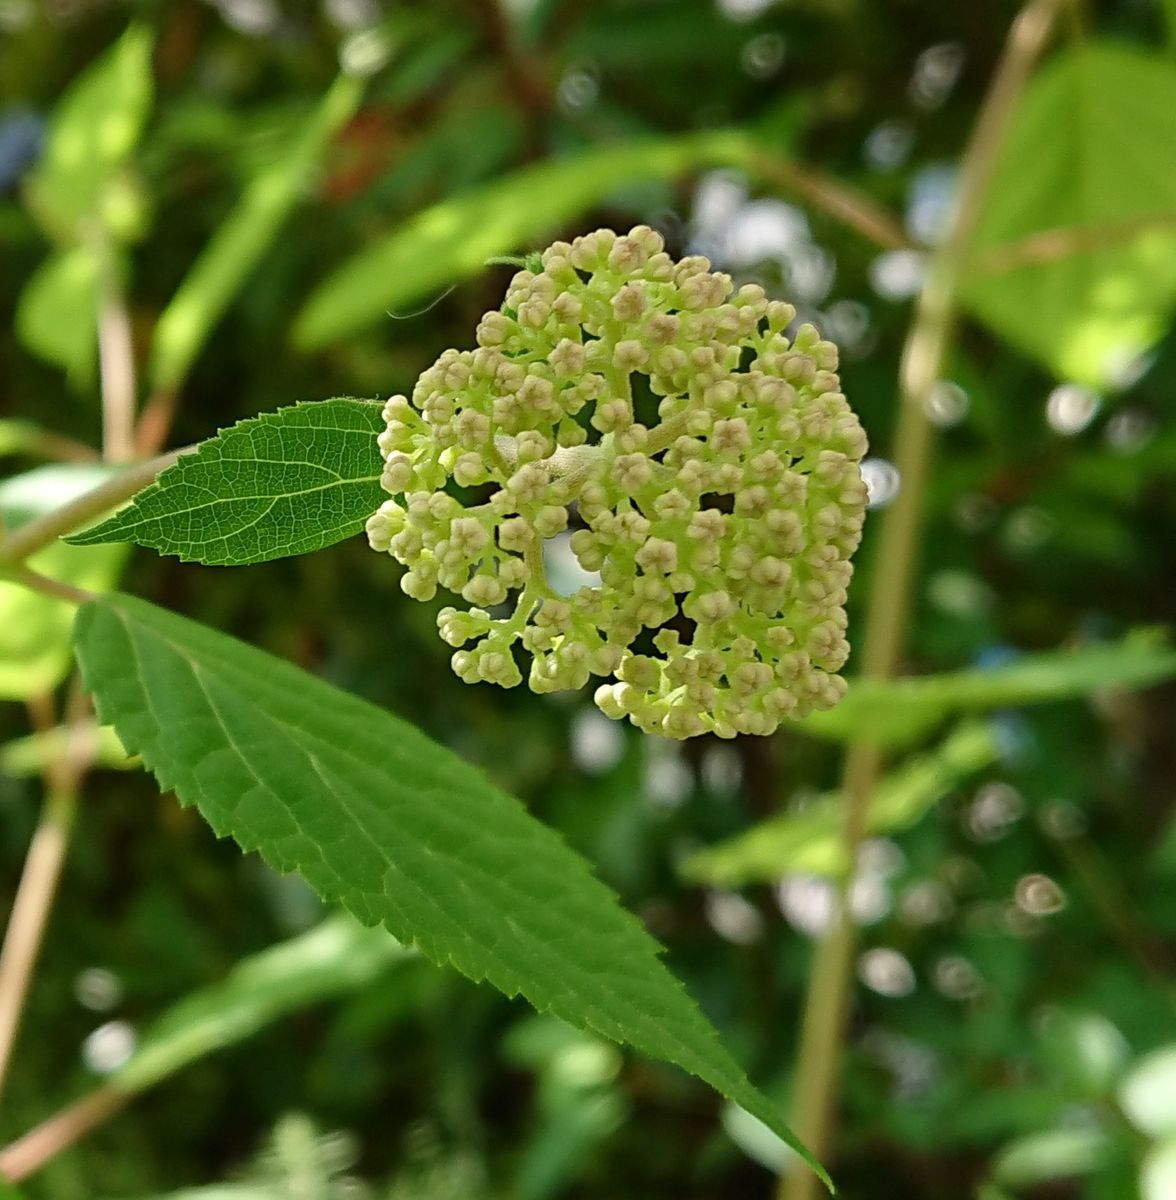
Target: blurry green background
{"x": 1016, "y": 990}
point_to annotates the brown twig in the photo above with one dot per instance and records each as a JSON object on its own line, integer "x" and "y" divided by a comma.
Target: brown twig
{"x": 1051, "y": 245}
{"x": 116, "y": 362}
{"x": 888, "y": 617}
{"x": 30, "y": 1152}
{"x": 39, "y": 879}
{"x": 853, "y": 208}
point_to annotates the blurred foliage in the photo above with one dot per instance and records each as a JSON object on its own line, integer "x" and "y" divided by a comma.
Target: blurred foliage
{"x": 1016, "y": 1018}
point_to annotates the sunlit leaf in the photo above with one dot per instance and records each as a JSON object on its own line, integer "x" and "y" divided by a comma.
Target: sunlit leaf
{"x": 34, "y": 629}
{"x": 810, "y": 841}
{"x": 1157, "y": 1177}
{"x": 94, "y": 127}
{"x": 57, "y": 313}
{"x": 378, "y": 818}
{"x": 900, "y": 712}
{"x": 1052, "y": 1154}
{"x": 1085, "y": 155}
{"x": 243, "y": 238}
{"x": 453, "y": 239}
{"x": 1148, "y": 1093}
{"x": 281, "y": 484}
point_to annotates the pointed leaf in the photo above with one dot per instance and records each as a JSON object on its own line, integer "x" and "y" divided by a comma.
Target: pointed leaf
{"x": 399, "y": 831}
{"x": 281, "y": 484}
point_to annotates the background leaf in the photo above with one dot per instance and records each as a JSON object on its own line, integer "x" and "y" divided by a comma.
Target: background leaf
{"x": 453, "y": 239}
{"x": 34, "y": 629}
{"x": 901, "y": 711}
{"x": 336, "y": 957}
{"x": 811, "y": 840}
{"x": 32, "y": 754}
{"x": 95, "y": 126}
{"x": 378, "y": 818}
{"x": 242, "y": 239}
{"x": 57, "y": 314}
{"x": 281, "y": 484}
{"x": 1082, "y": 156}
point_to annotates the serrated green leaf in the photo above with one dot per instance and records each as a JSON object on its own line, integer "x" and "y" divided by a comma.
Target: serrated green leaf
{"x": 242, "y": 239}
{"x": 392, "y": 826}
{"x": 336, "y": 957}
{"x": 1083, "y": 154}
{"x": 811, "y": 840}
{"x": 453, "y": 239}
{"x": 34, "y": 629}
{"x": 93, "y": 129}
{"x": 57, "y": 313}
{"x": 270, "y": 487}
{"x": 901, "y": 711}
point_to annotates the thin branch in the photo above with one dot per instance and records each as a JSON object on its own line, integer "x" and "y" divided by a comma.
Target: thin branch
{"x": 853, "y": 208}
{"x": 155, "y": 421}
{"x": 44, "y": 443}
{"x": 30, "y": 1152}
{"x": 30, "y": 538}
{"x": 1051, "y": 245}
{"x": 116, "y": 362}
{"x": 828, "y": 1000}
{"x": 38, "y": 884}
{"x": 45, "y": 584}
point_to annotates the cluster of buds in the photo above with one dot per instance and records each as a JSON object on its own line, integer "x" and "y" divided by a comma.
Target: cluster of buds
{"x": 721, "y": 532}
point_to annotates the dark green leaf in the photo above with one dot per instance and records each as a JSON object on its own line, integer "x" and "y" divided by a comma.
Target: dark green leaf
{"x": 389, "y": 824}
{"x": 281, "y": 484}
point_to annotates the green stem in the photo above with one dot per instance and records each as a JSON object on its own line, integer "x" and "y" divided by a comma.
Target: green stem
{"x": 889, "y": 601}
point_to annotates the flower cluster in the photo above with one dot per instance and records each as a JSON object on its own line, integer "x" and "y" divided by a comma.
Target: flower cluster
{"x": 721, "y": 531}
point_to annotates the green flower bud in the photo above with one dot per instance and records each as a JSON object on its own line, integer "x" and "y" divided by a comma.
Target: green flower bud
{"x": 731, "y": 519}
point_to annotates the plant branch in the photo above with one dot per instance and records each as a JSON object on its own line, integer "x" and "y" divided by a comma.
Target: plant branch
{"x": 56, "y": 589}
{"x": 30, "y": 1152}
{"x": 116, "y": 359}
{"x": 35, "y": 535}
{"x": 849, "y": 206}
{"x": 38, "y": 881}
{"x": 1051, "y": 245}
{"x": 888, "y": 617}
